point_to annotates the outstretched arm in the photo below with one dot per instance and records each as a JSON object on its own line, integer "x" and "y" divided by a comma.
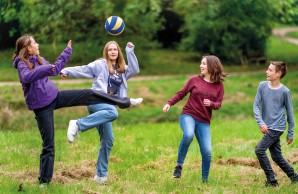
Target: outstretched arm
{"x": 132, "y": 61}
{"x": 87, "y": 71}
{"x": 30, "y": 75}
{"x": 62, "y": 59}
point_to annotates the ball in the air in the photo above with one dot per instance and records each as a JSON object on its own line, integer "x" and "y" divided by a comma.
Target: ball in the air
{"x": 114, "y": 25}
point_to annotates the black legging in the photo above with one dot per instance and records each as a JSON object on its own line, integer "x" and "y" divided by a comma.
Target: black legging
{"x": 45, "y": 120}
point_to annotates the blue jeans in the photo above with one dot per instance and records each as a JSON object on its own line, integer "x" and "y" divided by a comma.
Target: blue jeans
{"x": 45, "y": 120}
{"x": 101, "y": 117}
{"x": 271, "y": 141}
{"x": 191, "y": 127}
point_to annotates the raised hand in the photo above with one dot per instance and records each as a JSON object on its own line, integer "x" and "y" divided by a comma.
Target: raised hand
{"x": 130, "y": 44}
{"x": 69, "y": 44}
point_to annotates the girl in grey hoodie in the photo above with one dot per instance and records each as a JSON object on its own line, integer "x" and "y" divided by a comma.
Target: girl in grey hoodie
{"x": 110, "y": 75}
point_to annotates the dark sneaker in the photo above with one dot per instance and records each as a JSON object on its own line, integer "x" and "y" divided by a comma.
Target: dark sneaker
{"x": 271, "y": 184}
{"x": 177, "y": 172}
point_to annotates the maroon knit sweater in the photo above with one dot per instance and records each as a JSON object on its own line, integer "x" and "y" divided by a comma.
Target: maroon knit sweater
{"x": 199, "y": 90}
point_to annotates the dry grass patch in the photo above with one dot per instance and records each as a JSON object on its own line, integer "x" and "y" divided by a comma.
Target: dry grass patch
{"x": 67, "y": 174}
{"x": 63, "y": 174}
{"x": 237, "y": 141}
{"x": 240, "y": 161}
{"x": 114, "y": 159}
{"x": 149, "y": 96}
{"x": 238, "y": 97}
{"x": 293, "y": 157}
{"x": 157, "y": 164}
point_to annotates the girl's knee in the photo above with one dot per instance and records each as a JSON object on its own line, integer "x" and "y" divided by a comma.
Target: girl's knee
{"x": 206, "y": 153}
{"x": 108, "y": 141}
{"x": 187, "y": 139}
{"x": 113, "y": 113}
{"x": 107, "y": 144}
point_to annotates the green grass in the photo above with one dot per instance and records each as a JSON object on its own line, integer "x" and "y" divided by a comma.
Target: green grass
{"x": 281, "y": 50}
{"x": 293, "y": 34}
{"x": 142, "y": 161}
{"x": 146, "y": 143}
{"x": 146, "y": 140}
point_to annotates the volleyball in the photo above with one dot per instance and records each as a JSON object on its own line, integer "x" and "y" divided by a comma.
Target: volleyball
{"x": 114, "y": 25}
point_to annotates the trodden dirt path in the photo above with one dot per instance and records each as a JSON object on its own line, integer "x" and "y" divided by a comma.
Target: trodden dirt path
{"x": 282, "y": 33}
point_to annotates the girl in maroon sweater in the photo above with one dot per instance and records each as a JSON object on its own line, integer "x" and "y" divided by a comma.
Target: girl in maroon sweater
{"x": 206, "y": 94}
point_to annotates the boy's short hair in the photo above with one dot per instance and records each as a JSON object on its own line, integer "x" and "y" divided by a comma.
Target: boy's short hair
{"x": 280, "y": 66}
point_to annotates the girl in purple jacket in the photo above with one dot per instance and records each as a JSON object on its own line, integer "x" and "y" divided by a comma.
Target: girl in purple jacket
{"x": 43, "y": 97}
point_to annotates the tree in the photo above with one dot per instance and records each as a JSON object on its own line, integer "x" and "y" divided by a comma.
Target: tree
{"x": 169, "y": 34}
{"x": 286, "y": 11}
{"x": 9, "y": 22}
{"x": 56, "y": 21}
{"x": 234, "y": 30}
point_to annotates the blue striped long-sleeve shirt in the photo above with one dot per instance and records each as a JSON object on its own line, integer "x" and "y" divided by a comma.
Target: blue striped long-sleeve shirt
{"x": 273, "y": 107}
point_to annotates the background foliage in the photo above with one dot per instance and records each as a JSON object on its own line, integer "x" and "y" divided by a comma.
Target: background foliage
{"x": 231, "y": 29}
{"x": 235, "y": 30}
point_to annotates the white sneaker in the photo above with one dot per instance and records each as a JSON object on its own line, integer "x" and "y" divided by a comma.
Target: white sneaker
{"x": 73, "y": 130}
{"x": 135, "y": 101}
{"x": 100, "y": 180}
{"x": 43, "y": 185}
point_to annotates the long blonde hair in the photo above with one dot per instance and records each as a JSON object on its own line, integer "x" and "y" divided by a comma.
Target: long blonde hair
{"x": 215, "y": 68}
{"x": 120, "y": 62}
{"x": 22, "y": 50}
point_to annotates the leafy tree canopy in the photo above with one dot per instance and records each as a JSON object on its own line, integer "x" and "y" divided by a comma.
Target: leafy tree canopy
{"x": 234, "y": 30}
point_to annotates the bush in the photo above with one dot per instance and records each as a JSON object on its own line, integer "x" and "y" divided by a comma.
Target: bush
{"x": 234, "y": 30}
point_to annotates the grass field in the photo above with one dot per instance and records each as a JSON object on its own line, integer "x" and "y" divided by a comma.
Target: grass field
{"x": 146, "y": 143}
{"x": 293, "y": 34}
{"x": 281, "y": 50}
{"x": 146, "y": 140}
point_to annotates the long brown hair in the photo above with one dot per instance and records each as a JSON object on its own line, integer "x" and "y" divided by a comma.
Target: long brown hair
{"x": 120, "y": 62}
{"x": 22, "y": 50}
{"x": 215, "y": 68}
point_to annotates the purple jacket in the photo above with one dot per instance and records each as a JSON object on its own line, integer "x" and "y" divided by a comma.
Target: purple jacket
{"x": 39, "y": 90}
